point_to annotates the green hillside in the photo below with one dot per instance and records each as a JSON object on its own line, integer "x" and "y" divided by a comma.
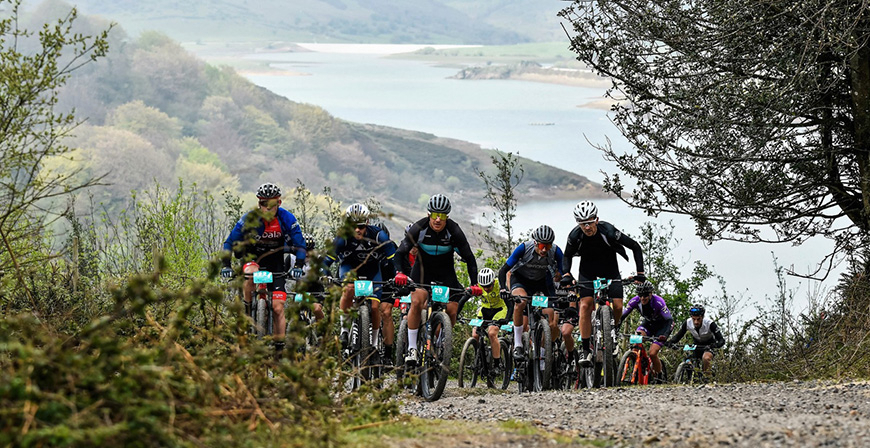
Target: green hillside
{"x": 491, "y": 22}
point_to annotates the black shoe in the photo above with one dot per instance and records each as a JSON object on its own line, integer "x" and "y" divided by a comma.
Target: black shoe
{"x": 388, "y": 355}
{"x": 519, "y": 353}
{"x": 586, "y": 358}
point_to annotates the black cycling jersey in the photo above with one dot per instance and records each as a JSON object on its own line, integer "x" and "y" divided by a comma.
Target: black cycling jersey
{"x": 368, "y": 256}
{"x": 434, "y": 262}
{"x": 598, "y": 252}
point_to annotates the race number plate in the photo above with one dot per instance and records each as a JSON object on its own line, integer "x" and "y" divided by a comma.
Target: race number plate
{"x": 263, "y": 277}
{"x": 475, "y": 322}
{"x": 508, "y": 326}
{"x": 440, "y": 294}
{"x": 600, "y": 283}
{"x": 635, "y": 339}
{"x": 298, "y": 298}
{"x": 540, "y": 301}
{"x": 688, "y": 348}
{"x": 405, "y": 299}
{"x": 363, "y": 288}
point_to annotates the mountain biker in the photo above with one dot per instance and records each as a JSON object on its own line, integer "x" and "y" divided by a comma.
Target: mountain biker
{"x": 534, "y": 267}
{"x": 268, "y": 232}
{"x": 436, "y": 238}
{"x": 657, "y": 320}
{"x": 705, "y": 334}
{"x": 386, "y": 306}
{"x": 597, "y": 244}
{"x": 364, "y": 254}
{"x": 313, "y": 286}
{"x": 493, "y": 308}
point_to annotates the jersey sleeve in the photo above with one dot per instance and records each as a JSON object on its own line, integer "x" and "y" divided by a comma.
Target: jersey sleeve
{"x": 632, "y": 304}
{"x": 400, "y": 258}
{"x": 720, "y": 340}
{"x": 571, "y": 248}
{"x": 388, "y": 248}
{"x": 635, "y": 248}
{"x": 679, "y": 335}
{"x": 559, "y": 257}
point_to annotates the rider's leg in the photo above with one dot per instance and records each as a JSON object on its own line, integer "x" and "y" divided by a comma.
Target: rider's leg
{"x": 553, "y": 320}
{"x": 318, "y": 312}
{"x": 654, "y": 349}
{"x": 617, "y": 311}
{"x": 518, "y": 317}
{"x": 279, "y": 322}
{"x": 453, "y": 311}
{"x": 567, "y": 331}
{"x": 707, "y": 362}
{"x": 418, "y": 300}
{"x": 387, "y": 326}
{"x": 586, "y": 309}
{"x": 376, "y": 320}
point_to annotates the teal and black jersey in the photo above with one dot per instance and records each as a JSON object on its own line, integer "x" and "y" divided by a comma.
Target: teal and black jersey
{"x": 435, "y": 251}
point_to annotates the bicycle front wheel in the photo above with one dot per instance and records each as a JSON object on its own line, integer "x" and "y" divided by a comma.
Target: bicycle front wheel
{"x": 365, "y": 342}
{"x": 401, "y": 350}
{"x": 262, "y": 318}
{"x": 608, "y": 346}
{"x": 467, "y": 375}
{"x": 626, "y": 368}
{"x": 505, "y": 366}
{"x": 542, "y": 355}
{"x": 438, "y": 349}
{"x": 683, "y": 375}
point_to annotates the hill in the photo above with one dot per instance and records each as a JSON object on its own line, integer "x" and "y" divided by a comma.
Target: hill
{"x": 489, "y": 22}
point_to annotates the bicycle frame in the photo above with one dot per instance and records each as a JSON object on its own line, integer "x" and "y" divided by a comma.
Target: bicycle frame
{"x": 642, "y": 369}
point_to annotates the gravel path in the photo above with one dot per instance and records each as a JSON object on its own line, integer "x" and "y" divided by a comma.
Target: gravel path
{"x": 746, "y": 415}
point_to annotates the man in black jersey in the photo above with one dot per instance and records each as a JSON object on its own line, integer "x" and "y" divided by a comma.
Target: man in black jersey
{"x": 597, "y": 243}
{"x": 436, "y": 239}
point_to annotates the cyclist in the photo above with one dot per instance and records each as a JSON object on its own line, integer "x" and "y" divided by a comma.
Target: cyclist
{"x": 493, "y": 308}
{"x": 313, "y": 286}
{"x": 386, "y": 306}
{"x": 436, "y": 237}
{"x": 705, "y": 333}
{"x": 597, "y": 244}
{"x": 363, "y": 254}
{"x": 268, "y": 232}
{"x": 657, "y": 320}
{"x": 534, "y": 267}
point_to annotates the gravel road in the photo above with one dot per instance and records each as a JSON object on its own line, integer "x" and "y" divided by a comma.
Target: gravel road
{"x": 746, "y": 415}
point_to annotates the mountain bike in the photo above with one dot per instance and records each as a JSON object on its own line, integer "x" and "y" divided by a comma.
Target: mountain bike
{"x": 306, "y": 316}
{"x": 533, "y": 371}
{"x": 565, "y": 374}
{"x": 476, "y": 358}
{"x": 635, "y": 367}
{"x": 691, "y": 369}
{"x": 362, "y": 352}
{"x": 603, "y": 370}
{"x": 434, "y": 343}
{"x": 261, "y": 303}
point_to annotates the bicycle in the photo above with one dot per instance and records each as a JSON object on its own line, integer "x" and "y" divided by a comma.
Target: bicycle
{"x": 261, "y": 302}
{"x": 686, "y": 371}
{"x": 635, "y": 367}
{"x": 603, "y": 371}
{"x": 435, "y": 343}
{"x": 533, "y": 371}
{"x": 306, "y": 316}
{"x": 565, "y": 374}
{"x": 476, "y": 357}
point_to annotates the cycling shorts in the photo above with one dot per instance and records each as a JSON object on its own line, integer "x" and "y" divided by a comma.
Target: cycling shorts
{"x": 532, "y": 287}
{"x": 492, "y": 313}
{"x": 586, "y": 290}
{"x": 654, "y": 329}
{"x": 376, "y": 276}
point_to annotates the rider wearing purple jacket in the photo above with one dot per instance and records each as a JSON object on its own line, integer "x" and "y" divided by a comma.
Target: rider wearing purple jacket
{"x": 657, "y": 320}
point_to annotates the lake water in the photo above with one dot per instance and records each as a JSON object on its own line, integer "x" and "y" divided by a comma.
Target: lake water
{"x": 369, "y": 88}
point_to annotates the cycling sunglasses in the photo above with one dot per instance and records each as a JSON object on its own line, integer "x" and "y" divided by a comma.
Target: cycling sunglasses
{"x": 441, "y": 216}
{"x": 696, "y": 312}
{"x": 543, "y": 246}
{"x": 269, "y": 203}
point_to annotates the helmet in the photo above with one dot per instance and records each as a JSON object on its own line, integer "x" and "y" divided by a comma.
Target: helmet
{"x": 438, "y": 204}
{"x": 309, "y": 241}
{"x": 645, "y": 288}
{"x": 383, "y": 227}
{"x": 358, "y": 213}
{"x": 485, "y": 277}
{"x": 585, "y": 211}
{"x": 697, "y": 310}
{"x": 544, "y": 234}
{"x": 268, "y": 191}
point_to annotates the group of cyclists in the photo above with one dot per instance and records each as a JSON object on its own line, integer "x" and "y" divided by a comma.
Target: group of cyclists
{"x": 425, "y": 256}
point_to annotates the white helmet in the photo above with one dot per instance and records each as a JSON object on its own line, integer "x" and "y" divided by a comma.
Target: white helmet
{"x": 585, "y": 211}
{"x": 358, "y": 213}
{"x": 438, "y": 204}
{"x": 485, "y": 277}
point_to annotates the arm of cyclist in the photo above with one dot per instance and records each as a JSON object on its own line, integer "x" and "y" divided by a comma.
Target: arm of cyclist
{"x": 400, "y": 260}
{"x": 636, "y": 251}
{"x": 720, "y": 340}
{"x": 679, "y": 335}
{"x": 388, "y": 249}
{"x": 571, "y": 248}
{"x": 294, "y": 241}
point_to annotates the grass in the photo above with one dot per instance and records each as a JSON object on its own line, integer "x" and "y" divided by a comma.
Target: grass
{"x": 447, "y": 433}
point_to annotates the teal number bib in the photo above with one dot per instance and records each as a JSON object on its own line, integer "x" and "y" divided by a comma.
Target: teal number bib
{"x": 475, "y": 322}
{"x": 363, "y": 288}
{"x": 262, "y": 277}
{"x": 440, "y": 294}
{"x": 635, "y": 339}
{"x": 540, "y": 301}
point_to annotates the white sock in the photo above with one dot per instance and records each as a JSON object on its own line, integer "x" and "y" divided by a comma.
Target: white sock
{"x": 375, "y": 336}
{"x": 412, "y": 338}
{"x": 518, "y": 336}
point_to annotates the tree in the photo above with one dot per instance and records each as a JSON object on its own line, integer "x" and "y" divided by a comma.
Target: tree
{"x": 746, "y": 116}
{"x": 501, "y": 194}
{"x": 33, "y": 66}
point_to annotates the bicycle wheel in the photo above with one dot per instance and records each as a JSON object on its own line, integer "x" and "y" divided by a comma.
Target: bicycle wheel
{"x": 365, "y": 342}
{"x": 608, "y": 345}
{"x": 376, "y": 362}
{"x": 437, "y": 359}
{"x": 504, "y": 370}
{"x": 542, "y": 356}
{"x": 525, "y": 378}
{"x": 683, "y": 374}
{"x": 356, "y": 364}
{"x": 467, "y": 374}
{"x": 625, "y": 373}
{"x": 401, "y": 349}
{"x": 262, "y": 318}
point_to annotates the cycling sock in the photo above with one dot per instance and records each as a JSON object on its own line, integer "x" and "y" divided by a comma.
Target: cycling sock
{"x": 518, "y": 336}
{"x": 375, "y": 336}
{"x": 587, "y": 344}
{"x": 412, "y": 338}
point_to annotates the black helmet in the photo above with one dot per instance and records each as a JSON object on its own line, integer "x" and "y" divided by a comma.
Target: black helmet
{"x": 544, "y": 234}
{"x": 697, "y": 310}
{"x": 309, "y": 241}
{"x": 268, "y": 191}
{"x": 438, "y": 204}
{"x": 645, "y": 288}
{"x": 383, "y": 227}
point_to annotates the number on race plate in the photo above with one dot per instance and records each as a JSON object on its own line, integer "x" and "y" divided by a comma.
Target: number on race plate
{"x": 540, "y": 301}
{"x": 635, "y": 339}
{"x": 405, "y": 299}
{"x": 475, "y": 322}
{"x": 363, "y": 288}
{"x": 262, "y": 277}
{"x": 600, "y": 283}
{"x": 440, "y": 293}
{"x": 688, "y": 348}
{"x": 508, "y": 326}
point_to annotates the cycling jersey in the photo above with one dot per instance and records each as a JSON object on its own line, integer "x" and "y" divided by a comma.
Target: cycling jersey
{"x": 367, "y": 256}
{"x": 598, "y": 252}
{"x": 655, "y": 312}
{"x": 282, "y": 231}
{"x": 708, "y": 334}
{"x": 434, "y": 262}
{"x": 526, "y": 262}
{"x": 492, "y": 299}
